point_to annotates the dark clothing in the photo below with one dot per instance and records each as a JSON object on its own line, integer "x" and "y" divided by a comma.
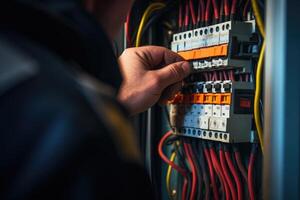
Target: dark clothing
{"x": 62, "y": 133}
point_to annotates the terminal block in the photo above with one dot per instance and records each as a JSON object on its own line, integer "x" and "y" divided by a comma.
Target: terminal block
{"x": 222, "y": 46}
{"x": 222, "y": 111}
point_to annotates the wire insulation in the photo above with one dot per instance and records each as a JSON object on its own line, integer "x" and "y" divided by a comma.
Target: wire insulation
{"x": 169, "y": 174}
{"x": 257, "y": 96}
{"x": 250, "y": 174}
{"x": 176, "y": 167}
{"x": 150, "y": 9}
{"x": 259, "y": 20}
{"x": 240, "y": 165}
{"x": 192, "y": 10}
{"x": 227, "y": 175}
{"x": 211, "y": 173}
{"x": 192, "y": 166}
{"x": 235, "y": 175}
{"x": 219, "y": 172}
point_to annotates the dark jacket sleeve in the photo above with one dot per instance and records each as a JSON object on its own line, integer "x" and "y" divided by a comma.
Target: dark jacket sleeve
{"x": 54, "y": 146}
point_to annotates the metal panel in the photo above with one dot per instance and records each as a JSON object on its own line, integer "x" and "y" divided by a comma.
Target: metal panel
{"x": 281, "y": 127}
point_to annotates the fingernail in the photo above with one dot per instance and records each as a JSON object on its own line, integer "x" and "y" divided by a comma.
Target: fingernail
{"x": 186, "y": 67}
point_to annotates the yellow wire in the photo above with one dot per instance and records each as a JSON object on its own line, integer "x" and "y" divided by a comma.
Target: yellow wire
{"x": 151, "y": 8}
{"x": 257, "y": 96}
{"x": 168, "y": 176}
{"x": 259, "y": 20}
{"x": 259, "y": 69}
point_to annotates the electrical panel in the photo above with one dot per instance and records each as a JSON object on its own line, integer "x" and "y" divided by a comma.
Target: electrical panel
{"x": 219, "y": 107}
{"x": 210, "y": 136}
{"x": 219, "y": 111}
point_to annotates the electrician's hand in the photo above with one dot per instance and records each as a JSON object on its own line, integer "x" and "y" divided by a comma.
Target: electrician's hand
{"x": 150, "y": 74}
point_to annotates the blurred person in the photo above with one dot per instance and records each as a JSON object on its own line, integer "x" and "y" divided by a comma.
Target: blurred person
{"x": 65, "y": 100}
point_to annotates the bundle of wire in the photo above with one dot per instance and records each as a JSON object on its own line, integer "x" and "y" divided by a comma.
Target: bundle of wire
{"x": 151, "y": 8}
{"x": 172, "y": 164}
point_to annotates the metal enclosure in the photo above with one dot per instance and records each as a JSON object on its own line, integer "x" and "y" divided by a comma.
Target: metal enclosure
{"x": 281, "y": 127}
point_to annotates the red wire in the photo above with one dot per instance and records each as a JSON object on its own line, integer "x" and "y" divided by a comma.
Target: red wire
{"x": 216, "y": 9}
{"x": 240, "y": 165}
{"x": 226, "y": 8}
{"x": 211, "y": 174}
{"x": 180, "y": 16}
{"x": 235, "y": 175}
{"x": 184, "y": 189}
{"x": 218, "y": 169}
{"x": 227, "y": 176}
{"x": 202, "y": 9}
{"x": 127, "y": 24}
{"x": 225, "y": 76}
{"x": 233, "y": 6}
{"x": 250, "y": 176}
{"x": 176, "y": 167}
{"x": 186, "y": 14}
{"x": 246, "y": 9}
{"x": 187, "y": 149}
{"x": 215, "y": 75}
{"x": 207, "y": 10}
{"x": 221, "y": 76}
{"x": 192, "y": 10}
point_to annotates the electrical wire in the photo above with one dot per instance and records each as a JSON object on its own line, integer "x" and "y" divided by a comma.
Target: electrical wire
{"x": 259, "y": 20}
{"x": 226, "y": 9}
{"x": 186, "y": 19}
{"x": 157, "y": 15}
{"x": 218, "y": 169}
{"x": 233, "y": 7}
{"x": 199, "y": 13}
{"x": 221, "y": 11}
{"x": 199, "y": 151}
{"x": 166, "y": 160}
{"x": 234, "y": 174}
{"x": 192, "y": 151}
{"x": 150, "y": 9}
{"x": 240, "y": 165}
{"x": 169, "y": 174}
{"x": 192, "y": 166}
{"x": 250, "y": 173}
{"x": 257, "y": 96}
{"x": 207, "y": 11}
{"x": 216, "y": 10}
{"x": 180, "y": 15}
{"x": 192, "y": 10}
{"x": 246, "y": 9}
{"x": 226, "y": 174}
{"x": 201, "y": 2}
{"x": 127, "y": 27}
{"x": 211, "y": 173}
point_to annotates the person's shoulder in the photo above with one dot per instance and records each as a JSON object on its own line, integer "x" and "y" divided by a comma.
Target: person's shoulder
{"x": 56, "y": 88}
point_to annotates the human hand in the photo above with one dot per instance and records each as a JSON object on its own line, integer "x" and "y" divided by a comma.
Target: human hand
{"x": 150, "y": 74}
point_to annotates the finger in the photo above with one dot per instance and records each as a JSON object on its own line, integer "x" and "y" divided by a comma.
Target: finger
{"x": 170, "y": 92}
{"x": 173, "y": 73}
{"x": 156, "y": 56}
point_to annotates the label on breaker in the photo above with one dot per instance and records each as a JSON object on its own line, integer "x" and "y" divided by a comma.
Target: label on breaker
{"x": 204, "y": 122}
{"x": 225, "y": 111}
{"x": 208, "y": 110}
{"x": 217, "y": 110}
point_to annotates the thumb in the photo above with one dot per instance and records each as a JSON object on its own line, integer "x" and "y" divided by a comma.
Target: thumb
{"x": 173, "y": 73}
